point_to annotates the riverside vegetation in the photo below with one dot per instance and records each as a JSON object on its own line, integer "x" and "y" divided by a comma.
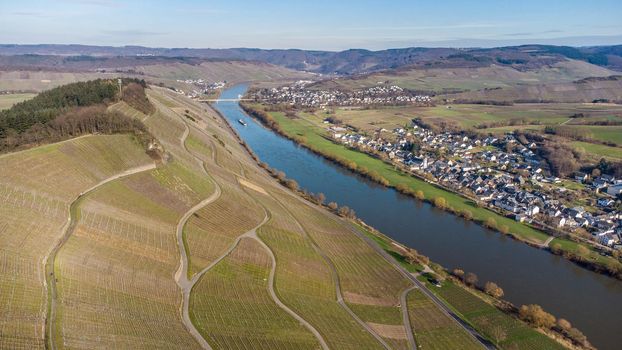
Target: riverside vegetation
{"x": 386, "y": 174}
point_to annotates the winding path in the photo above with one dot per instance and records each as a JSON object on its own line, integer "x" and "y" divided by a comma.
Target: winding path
{"x": 50, "y": 259}
{"x": 547, "y": 242}
{"x": 406, "y": 317}
{"x": 181, "y": 276}
{"x": 335, "y": 277}
{"x": 279, "y": 302}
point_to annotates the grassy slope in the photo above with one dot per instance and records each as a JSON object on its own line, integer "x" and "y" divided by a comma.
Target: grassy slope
{"x": 609, "y": 133}
{"x": 599, "y": 151}
{"x": 490, "y": 320}
{"x": 432, "y": 328}
{"x": 8, "y": 100}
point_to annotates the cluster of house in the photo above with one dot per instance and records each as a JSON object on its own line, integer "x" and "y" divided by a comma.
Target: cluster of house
{"x": 203, "y": 86}
{"x": 482, "y": 168}
{"x": 298, "y": 94}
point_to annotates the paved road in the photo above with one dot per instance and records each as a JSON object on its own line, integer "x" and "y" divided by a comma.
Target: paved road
{"x": 406, "y": 317}
{"x": 67, "y": 230}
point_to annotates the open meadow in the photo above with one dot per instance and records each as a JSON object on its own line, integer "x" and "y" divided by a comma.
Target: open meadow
{"x": 8, "y": 100}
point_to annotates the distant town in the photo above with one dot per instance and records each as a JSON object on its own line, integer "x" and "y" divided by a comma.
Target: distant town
{"x": 203, "y": 87}
{"x": 298, "y": 94}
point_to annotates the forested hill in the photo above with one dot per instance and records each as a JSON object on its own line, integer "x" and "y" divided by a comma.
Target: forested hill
{"x": 71, "y": 110}
{"x": 353, "y": 61}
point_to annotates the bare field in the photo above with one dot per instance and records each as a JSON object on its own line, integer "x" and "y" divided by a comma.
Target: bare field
{"x": 494, "y": 76}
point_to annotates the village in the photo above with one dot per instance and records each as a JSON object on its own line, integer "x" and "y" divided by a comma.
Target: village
{"x": 203, "y": 87}
{"x": 298, "y": 94}
{"x": 514, "y": 183}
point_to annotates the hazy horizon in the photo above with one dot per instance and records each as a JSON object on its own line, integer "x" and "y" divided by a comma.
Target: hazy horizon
{"x": 321, "y": 25}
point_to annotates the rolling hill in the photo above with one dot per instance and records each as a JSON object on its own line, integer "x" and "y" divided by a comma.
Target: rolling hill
{"x": 346, "y": 62}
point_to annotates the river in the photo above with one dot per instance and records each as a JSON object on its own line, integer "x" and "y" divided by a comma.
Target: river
{"x": 591, "y": 302}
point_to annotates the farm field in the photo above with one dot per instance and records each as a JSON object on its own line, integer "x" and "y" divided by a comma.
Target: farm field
{"x": 432, "y": 328}
{"x": 126, "y": 236}
{"x": 211, "y": 230}
{"x": 609, "y": 133}
{"x": 33, "y": 211}
{"x": 37, "y": 81}
{"x": 8, "y": 100}
{"x": 371, "y": 288}
{"x": 472, "y": 78}
{"x": 467, "y": 116}
{"x": 305, "y": 281}
{"x": 231, "y": 306}
{"x": 599, "y": 151}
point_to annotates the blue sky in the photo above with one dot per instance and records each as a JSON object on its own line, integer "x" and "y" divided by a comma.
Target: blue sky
{"x": 316, "y": 24}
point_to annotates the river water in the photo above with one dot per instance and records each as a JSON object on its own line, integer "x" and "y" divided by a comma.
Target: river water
{"x": 590, "y": 301}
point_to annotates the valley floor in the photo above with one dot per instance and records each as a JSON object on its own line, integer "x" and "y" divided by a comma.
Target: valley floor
{"x": 201, "y": 250}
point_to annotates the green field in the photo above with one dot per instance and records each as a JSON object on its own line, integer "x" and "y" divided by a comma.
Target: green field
{"x": 609, "y": 133}
{"x": 599, "y": 150}
{"x": 499, "y": 327}
{"x": 8, "y": 100}
{"x": 433, "y": 329}
{"x": 468, "y": 116}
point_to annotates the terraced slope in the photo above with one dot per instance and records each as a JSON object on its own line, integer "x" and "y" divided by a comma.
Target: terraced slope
{"x": 115, "y": 271}
{"x": 36, "y": 188}
{"x": 432, "y": 328}
{"x": 211, "y": 230}
{"x": 233, "y": 296}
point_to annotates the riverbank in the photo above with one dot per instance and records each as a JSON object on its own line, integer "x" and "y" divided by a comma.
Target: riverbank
{"x": 313, "y": 138}
{"x": 483, "y": 318}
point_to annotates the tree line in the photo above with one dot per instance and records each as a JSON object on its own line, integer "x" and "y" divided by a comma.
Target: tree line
{"x": 51, "y": 103}
{"x": 69, "y": 111}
